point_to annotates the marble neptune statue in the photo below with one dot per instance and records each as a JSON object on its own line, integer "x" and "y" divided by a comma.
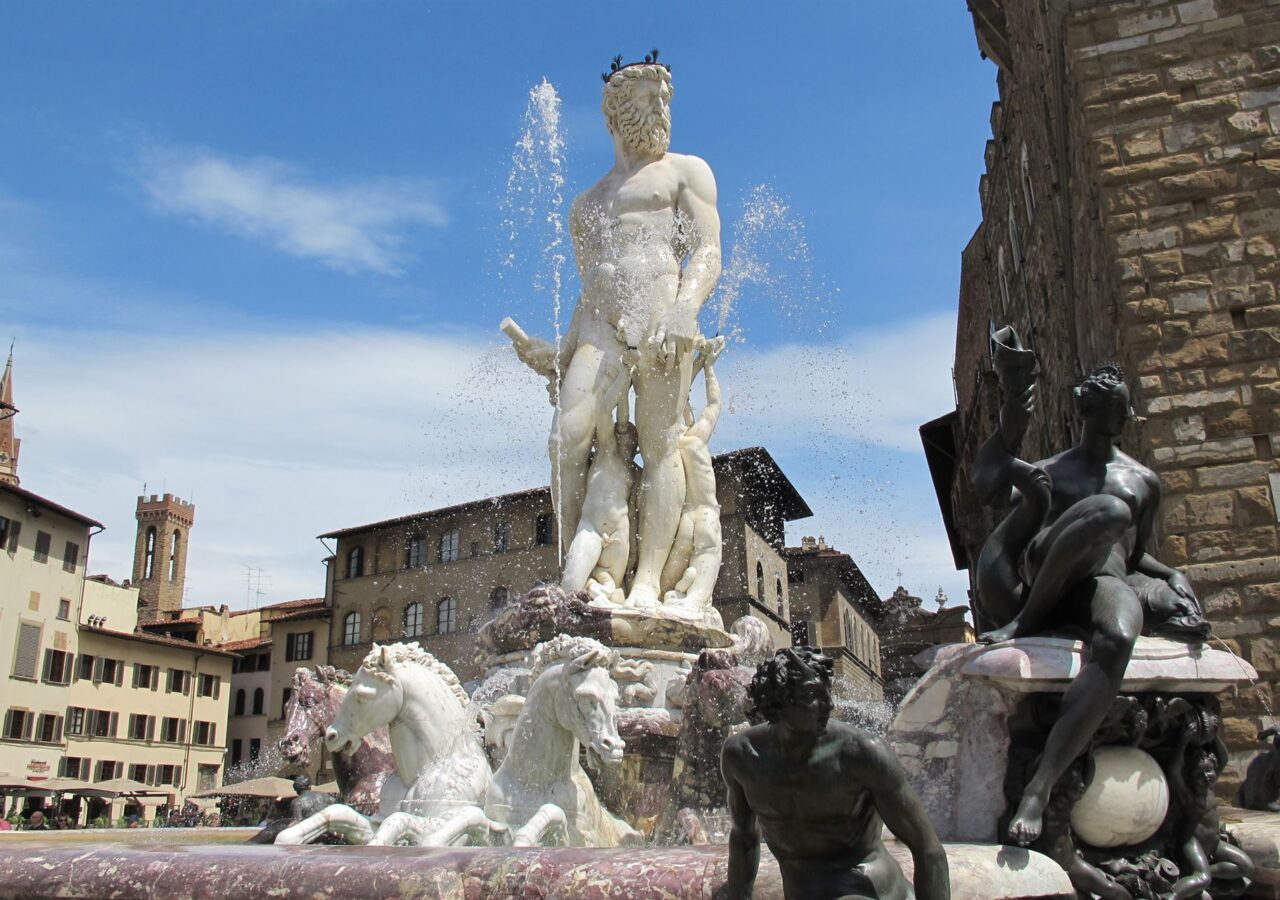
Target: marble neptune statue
{"x": 647, "y": 243}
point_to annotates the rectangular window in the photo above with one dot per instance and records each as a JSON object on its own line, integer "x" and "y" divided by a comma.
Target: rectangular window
{"x": 416, "y": 552}
{"x": 43, "y": 541}
{"x": 208, "y": 686}
{"x": 73, "y": 767}
{"x": 179, "y": 682}
{"x": 18, "y": 724}
{"x": 146, "y": 677}
{"x": 64, "y": 609}
{"x": 49, "y": 729}
{"x": 297, "y": 647}
{"x": 70, "y": 556}
{"x": 75, "y": 720}
{"x": 141, "y": 728}
{"x": 57, "y": 667}
{"x": 138, "y": 772}
{"x": 112, "y": 671}
{"x": 542, "y": 529}
{"x": 28, "y": 656}
{"x": 237, "y": 751}
{"x": 13, "y": 529}
{"x": 84, "y": 668}
{"x": 173, "y": 730}
{"x": 5, "y": 525}
{"x": 103, "y": 723}
{"x": 264, "y": 662}
{"x": 108, "y": 769}
{"x": 450, "y": 544}
{"x": 501, "y": 537}
{"x": 204, "y": 734}
{"x": 255, "y": 747}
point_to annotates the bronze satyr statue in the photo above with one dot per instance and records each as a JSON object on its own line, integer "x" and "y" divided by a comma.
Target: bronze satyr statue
{"x": 1073, "y": 556}
{"x": 308, "y": 802}
{"x": 820, "y": 791}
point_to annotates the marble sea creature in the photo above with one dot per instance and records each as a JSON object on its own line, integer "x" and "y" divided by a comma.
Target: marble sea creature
{"x": 540, "y": 790}
{"x": 316, "y": 695}
{"x": 441, "y": 766}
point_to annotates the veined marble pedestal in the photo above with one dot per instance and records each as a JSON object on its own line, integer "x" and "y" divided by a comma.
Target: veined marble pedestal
{"x": 952, "y": 732}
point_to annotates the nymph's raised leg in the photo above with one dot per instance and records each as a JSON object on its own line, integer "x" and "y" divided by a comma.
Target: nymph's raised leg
{"x": 1075, "y": 547}
{"x": 1117, "y": 621}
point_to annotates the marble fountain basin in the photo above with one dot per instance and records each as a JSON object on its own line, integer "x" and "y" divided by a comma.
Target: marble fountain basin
{"x": 67, "y": 865}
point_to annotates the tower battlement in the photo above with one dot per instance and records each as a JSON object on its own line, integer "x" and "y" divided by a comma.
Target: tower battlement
{"x": 166, "y": 506}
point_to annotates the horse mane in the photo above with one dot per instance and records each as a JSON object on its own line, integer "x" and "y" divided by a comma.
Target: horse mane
{"x": 327, "y": 675}
{"x": 400, "y": 654}
{"x": 566, "y": 647}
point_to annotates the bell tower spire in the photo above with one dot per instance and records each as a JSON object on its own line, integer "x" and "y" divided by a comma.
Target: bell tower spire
{"x": 9, "y": 444}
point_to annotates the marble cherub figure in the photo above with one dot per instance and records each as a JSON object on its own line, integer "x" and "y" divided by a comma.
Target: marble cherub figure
{"x": 820, "y": 791}
{"x": 694, "y": 562}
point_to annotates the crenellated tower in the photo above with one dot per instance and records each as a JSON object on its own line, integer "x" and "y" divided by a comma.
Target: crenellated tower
{"x": 160, "y": 554}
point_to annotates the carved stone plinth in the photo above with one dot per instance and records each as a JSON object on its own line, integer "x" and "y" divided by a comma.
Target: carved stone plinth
{"x": 953, "y": 731}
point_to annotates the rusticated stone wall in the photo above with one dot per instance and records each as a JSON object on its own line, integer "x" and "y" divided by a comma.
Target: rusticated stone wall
{"x": 1141, "y": 223}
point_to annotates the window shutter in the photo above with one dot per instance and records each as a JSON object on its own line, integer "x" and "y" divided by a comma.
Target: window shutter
{"x": 155, "y": 677}
{"x": 182, "y": 731}
{"x": 112, "y": 724}
{"x": 8, "y": 722}
{"x": 177, "y": 776}
{"x": 213, "y": 733}
{"x": 28, "y": 651}
{"x": 15, "y": 529}
{"x": 151, "y": 774}
{"x": 119, "y": 672}
{"x": 151, "y": 727}
{"x": 217, "y": 686}
{"x": 137, "y": 674}
{"x": 57, "y": 729}
{"x": 186, "y": 683}
{"x": 97, "y": 669}
{"x": 28, "y": 721}
{"x": 48, "y": 665}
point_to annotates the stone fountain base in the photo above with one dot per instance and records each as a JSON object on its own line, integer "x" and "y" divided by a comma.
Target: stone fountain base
{"x": 33, "y": 867}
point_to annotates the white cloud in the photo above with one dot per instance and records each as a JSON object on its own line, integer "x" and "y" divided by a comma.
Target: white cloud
{"x": 353, "y": 226}
{"x": 279, "y": 437}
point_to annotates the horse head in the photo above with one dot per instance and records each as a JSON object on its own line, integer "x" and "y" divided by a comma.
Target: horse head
{"x": 586, "y": 704}
{"x": 314, "y": 697}
{"x": 373, "y": 700}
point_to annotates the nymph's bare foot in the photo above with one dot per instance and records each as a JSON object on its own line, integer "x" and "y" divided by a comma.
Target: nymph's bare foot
{"x": 997, "y": 635}
{"x": 1026, "y": 824}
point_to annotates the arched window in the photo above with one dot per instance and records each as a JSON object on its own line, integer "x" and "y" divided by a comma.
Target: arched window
{"x": 240, "y": 702}
{"x": 173, "y": 555}
{"x": 446, "y": 616}
{"x": 501, "y": 537}
{"x": 450, "y": 544}
{"x": 355, "y": 562}
{"x": 1028, "y": 189}
{"x": 149, "y": 564}
{"x": 258, "y": 699}
{"x": 778, "y": 588}
{"x": 351, "y": 629}
{"x": 415, "y": 554}
{"x": 413, "y": 619}
{"x": 498, "y": 598}
{"x": 759, "y": 581}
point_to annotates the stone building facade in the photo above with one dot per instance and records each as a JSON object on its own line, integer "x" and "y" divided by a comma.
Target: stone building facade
{"x": 437, "y": 576}
{"x": 1131, "y": 212}
{"x": 835, "y": 608}
{"x": 909, "y": 630}
{"x": 160, "y": 553}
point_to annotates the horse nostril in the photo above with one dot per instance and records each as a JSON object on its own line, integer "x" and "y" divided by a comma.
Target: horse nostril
{"x": 331, "y": 734}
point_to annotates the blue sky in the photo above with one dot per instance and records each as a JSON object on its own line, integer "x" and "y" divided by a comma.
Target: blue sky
{"x": 252, "y": 252}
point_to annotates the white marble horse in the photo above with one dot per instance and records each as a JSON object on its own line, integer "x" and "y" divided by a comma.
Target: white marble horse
{"x": 441, "y": 766}
{"x": 540, "y": 789}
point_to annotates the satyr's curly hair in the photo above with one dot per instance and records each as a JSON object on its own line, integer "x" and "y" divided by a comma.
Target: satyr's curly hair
{"x": 1101, "y": 381}
{"x": 775, "y": 681}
